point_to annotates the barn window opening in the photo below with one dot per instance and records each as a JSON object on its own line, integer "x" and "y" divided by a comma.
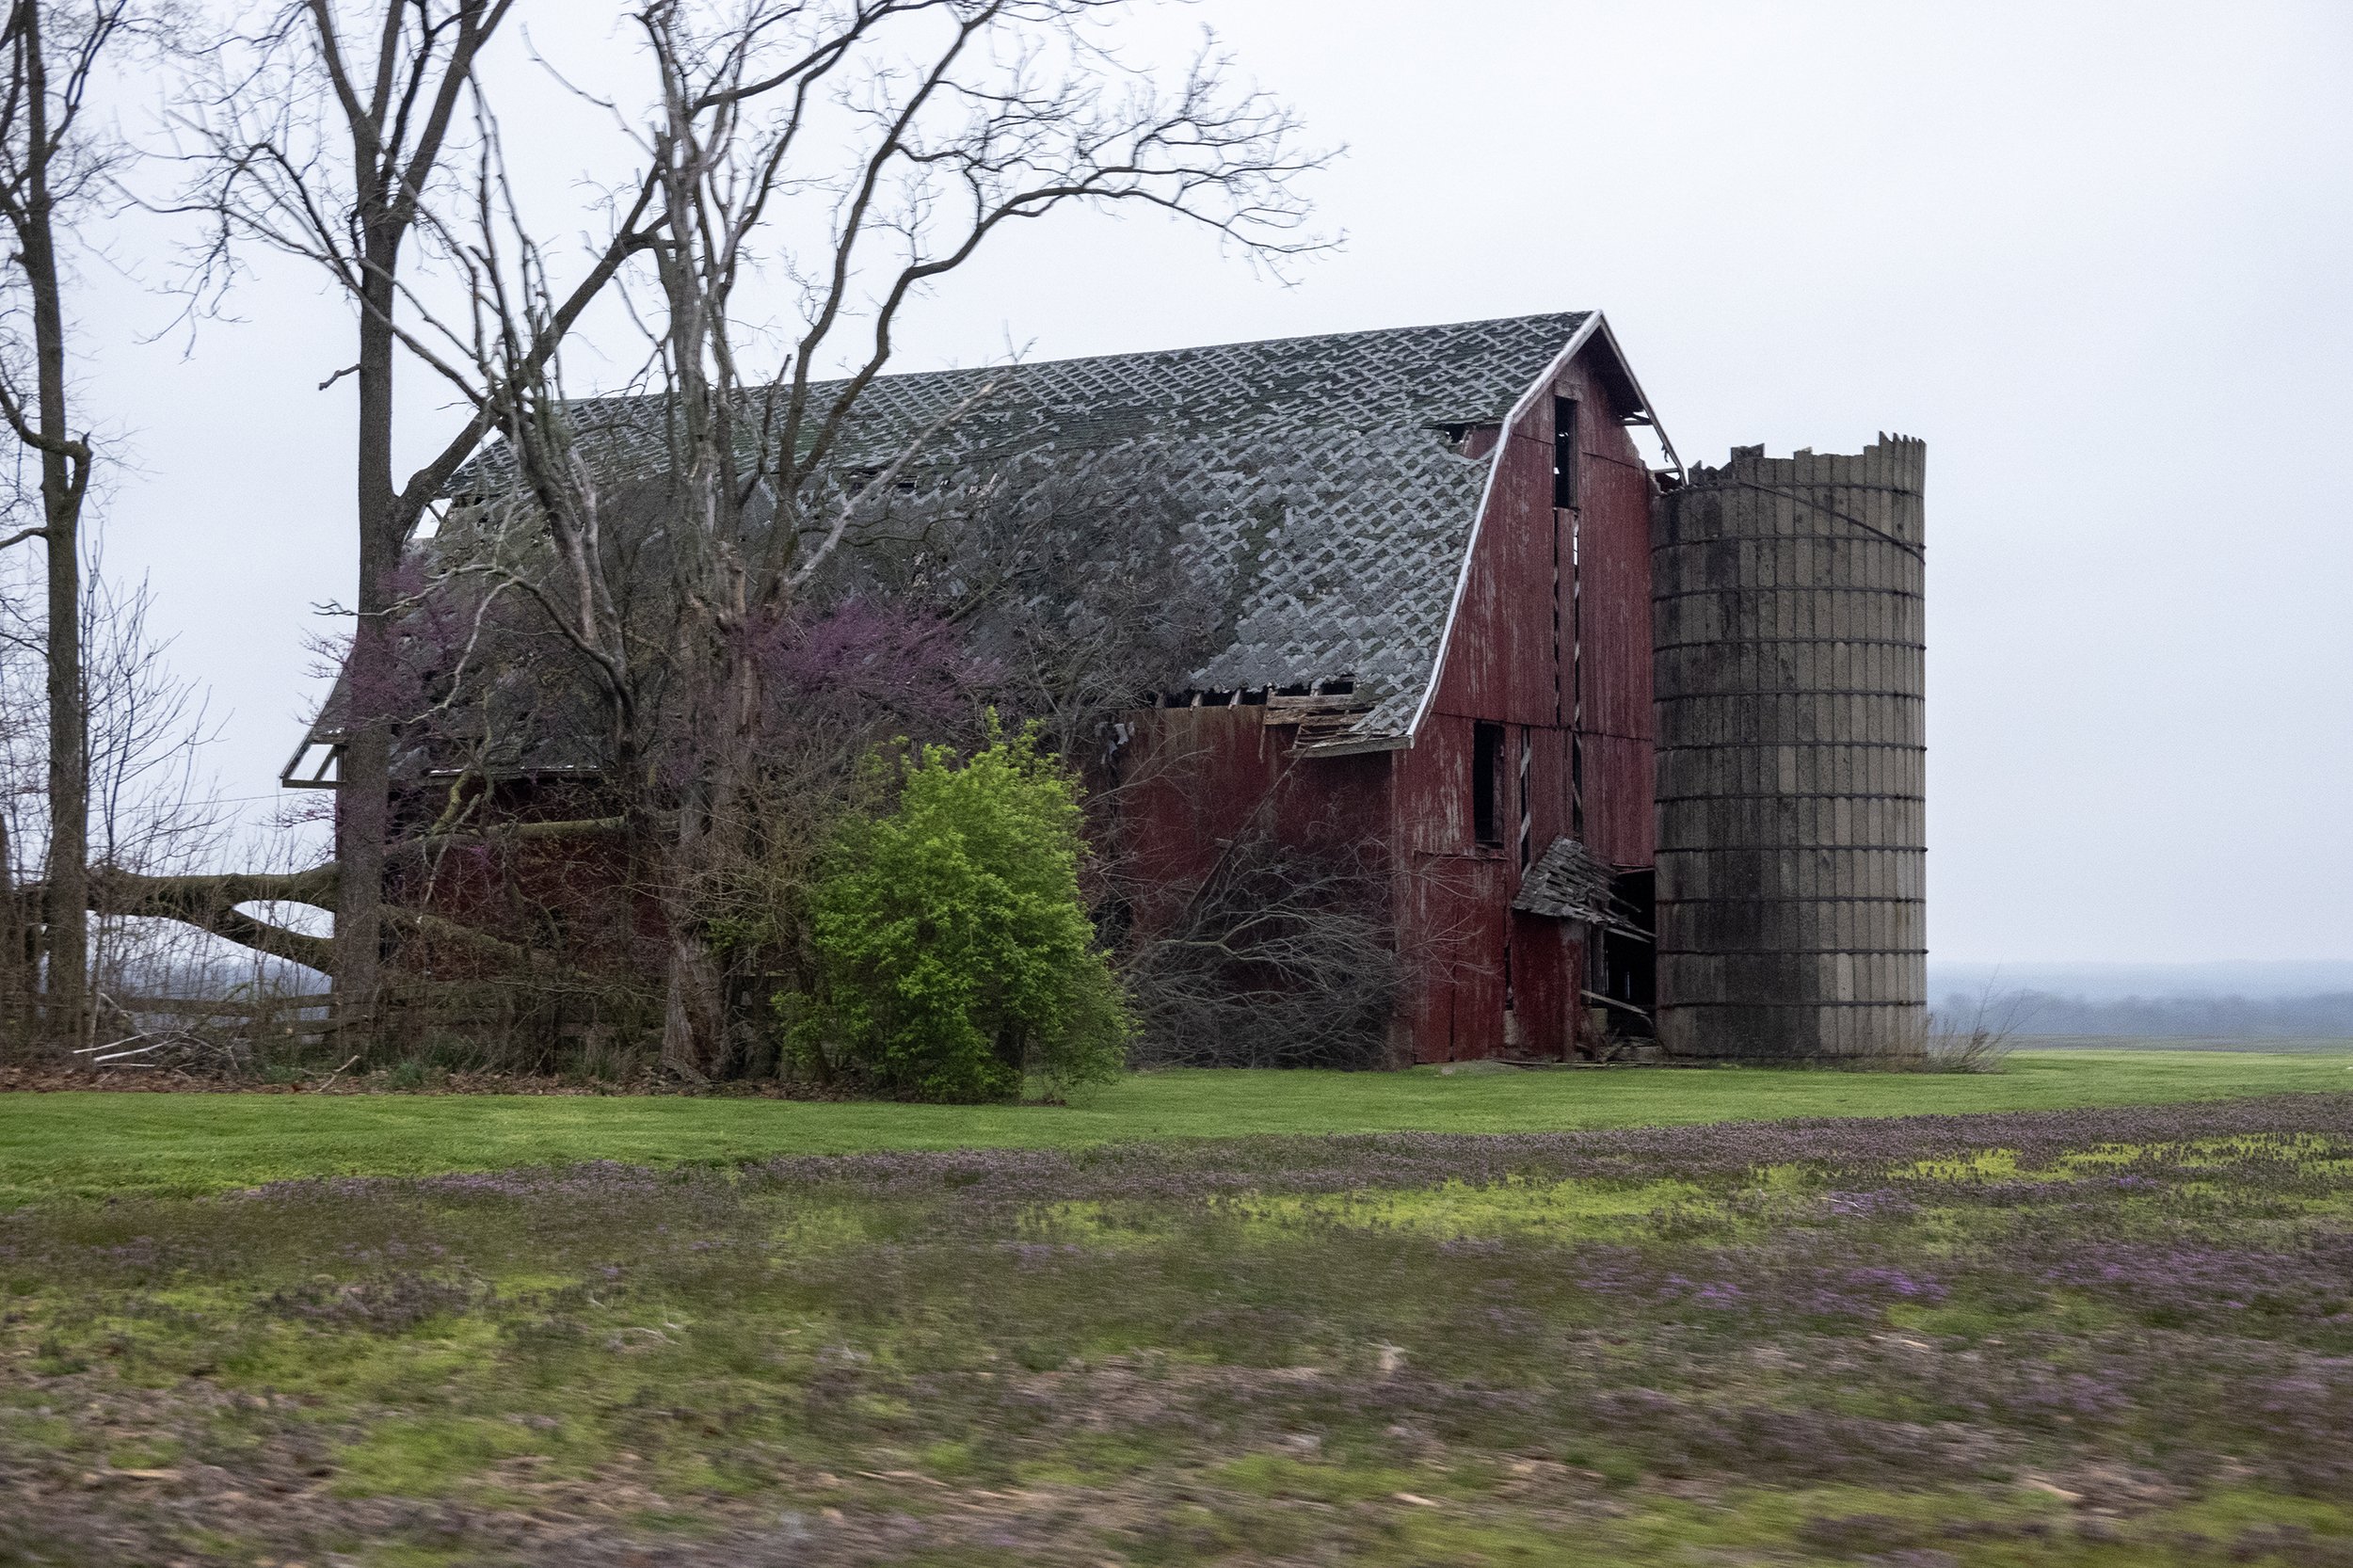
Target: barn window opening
{"x": 1564, "y": 450}
{"x": 1623, "y": 965}
{"x": 1487, "y": 784}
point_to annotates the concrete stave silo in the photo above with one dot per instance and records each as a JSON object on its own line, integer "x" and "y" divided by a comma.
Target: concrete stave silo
{"x": 1789, "y": 676}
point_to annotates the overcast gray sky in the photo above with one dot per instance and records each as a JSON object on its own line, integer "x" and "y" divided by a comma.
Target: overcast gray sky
{"x": 2096, "y": 253}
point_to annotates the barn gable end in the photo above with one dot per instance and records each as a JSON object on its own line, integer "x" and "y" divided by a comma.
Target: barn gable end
{"x": 1541, "y": 695}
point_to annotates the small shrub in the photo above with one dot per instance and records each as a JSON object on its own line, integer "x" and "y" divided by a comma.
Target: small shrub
{"x": 1978, "y": 1050}
{"x": 1980, "y": 1042}
{"x": 953, "y": 953}
{"x": 412, "y": 1073}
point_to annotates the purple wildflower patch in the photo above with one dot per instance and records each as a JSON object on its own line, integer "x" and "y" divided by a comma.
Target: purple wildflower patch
{"x": 910, "y": 1341}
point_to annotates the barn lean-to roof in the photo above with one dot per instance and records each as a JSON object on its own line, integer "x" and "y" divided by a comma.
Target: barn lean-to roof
{"x": 1328, "y": 511}
{"x": 1568, "y": 884}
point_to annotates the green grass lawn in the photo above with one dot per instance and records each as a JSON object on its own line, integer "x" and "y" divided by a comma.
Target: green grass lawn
{"x": 91, "y": 1144}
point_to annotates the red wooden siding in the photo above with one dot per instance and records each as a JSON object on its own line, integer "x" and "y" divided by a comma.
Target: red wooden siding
{"x": 1499, "y": 660}
{"x": 1552, "y": 640}
{"x": 1192, "y": 780}
{"x": 1547, "y": 958}
{"x": 1613, "y": 675}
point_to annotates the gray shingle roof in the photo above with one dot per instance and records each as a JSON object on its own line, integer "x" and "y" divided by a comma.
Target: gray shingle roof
{"x": 1330, "y": 515}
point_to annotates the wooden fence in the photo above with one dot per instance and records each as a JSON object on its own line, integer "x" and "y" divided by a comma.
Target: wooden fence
{"x": 308, "y": 1019}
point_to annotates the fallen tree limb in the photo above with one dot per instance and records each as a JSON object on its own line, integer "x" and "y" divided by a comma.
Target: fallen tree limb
{"x": 210, "y": 903}
{"x": 443, "y": 929}
{"x": 209, "y": 900}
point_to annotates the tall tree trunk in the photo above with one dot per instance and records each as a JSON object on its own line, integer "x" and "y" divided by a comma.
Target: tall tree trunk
{"x": 694, "y": 1017}
{"x": 364, "y": 804}
{"x": 66, "y": 920}
{"x": 16, "y": 971}
{"x": 714, "y": 843}
{"x": 694, "y": 1034}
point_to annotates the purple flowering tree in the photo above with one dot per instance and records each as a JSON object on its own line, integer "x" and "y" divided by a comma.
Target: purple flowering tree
{"x": 673, "y": 620}
{"x": 903, "y": 138}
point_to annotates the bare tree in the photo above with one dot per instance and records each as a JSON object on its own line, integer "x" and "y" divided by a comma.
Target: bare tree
{"x": 51, "y": 164}
{"x": 153, "y": 810}
{"x": 860, "y": 151}
{"x": 154, "y": 807}
{"x": 1285, "y": 954}
{"x": 327, "y": 135}
{"x": 24, "y": 797}
{"x": 1975, "y": 1035}
{"x": 863, "y": 149}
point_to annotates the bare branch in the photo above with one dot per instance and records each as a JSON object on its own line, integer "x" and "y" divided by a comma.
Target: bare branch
{"x": 210, "y": 903}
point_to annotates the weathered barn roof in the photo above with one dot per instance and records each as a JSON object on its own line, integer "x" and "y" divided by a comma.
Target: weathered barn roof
{"x": 1332, "y": 514}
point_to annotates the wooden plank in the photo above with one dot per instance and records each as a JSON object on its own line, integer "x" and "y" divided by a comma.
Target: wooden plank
{"x": 186, "y": 1007}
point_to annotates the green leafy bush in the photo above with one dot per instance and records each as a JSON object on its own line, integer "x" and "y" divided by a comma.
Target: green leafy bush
{"x": 953, "y": 954}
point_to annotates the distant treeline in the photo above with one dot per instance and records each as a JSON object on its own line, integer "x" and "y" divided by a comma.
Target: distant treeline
{"x": 2323, "y": 1017}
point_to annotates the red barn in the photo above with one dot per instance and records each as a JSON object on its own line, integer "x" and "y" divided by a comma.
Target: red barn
{"x": 1423, "y": 560}
{"x": 1442, "y": 596}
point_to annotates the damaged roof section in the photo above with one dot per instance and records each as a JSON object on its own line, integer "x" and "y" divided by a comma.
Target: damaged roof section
{"x": 1325, "y": 513}
{"x": 1568, "y": 884}
{"x": 1328, "y": 516}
